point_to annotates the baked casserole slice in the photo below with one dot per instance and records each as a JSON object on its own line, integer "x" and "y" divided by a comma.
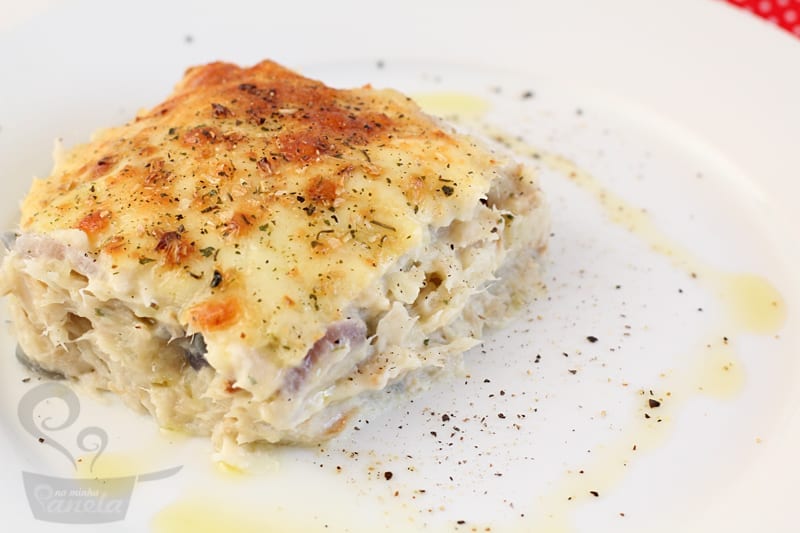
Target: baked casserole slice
{"x": 261, "y": 256}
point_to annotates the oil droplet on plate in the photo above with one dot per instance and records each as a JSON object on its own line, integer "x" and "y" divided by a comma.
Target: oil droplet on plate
{"x": 207, "y": 516}
{"x": 719, "y": 373}
{"x": 753, "y": 304}
{"x": 115, "y": 472}
{"x": 228, "y": 469}
{"x": 452, "y": 103}
{"x": 109, "y": 465}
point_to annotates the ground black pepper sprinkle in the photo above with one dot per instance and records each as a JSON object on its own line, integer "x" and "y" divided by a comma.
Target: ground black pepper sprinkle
{"x": 388, "y": 475}
{"x": 594, "y": 493}
{"x": 591, "y": 338}
{"x": 653, "y": 403}
{"x": 216, "y": 279}
{"x": 445, "y": 418}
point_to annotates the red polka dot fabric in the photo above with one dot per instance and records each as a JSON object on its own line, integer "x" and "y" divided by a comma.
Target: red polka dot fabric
{"x": 784, "y": 13}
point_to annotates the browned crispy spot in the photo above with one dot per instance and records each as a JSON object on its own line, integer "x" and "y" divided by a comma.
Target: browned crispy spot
{"x": 317, "y": 119}
{"x": 88, "y": 172}
{"x": 302, "y": 146}
{"x": 220, "y": 111}
{"x": 94, "y": 222}
{"x": 326, "y": 129}
{"x": 148, "y": 150}
{"x": 323, "y": 191}
{"x": 201, "y": 135}
{"x": 238, "y": 225}
{"x": 156, "y": 174}
{"x": 102, "y": 166}
{"x": 264, "y": 165}
{"x": 114, "y": 244}
{"x": 225, "y": 169}
{"x": 208, "y": 75}
{"x": 230, "y": 387}
{"x": 339, "y": 424}
{"x": 232, "y": 139}
{"x": 214, "y": 314}
{"x": 345, "y": 125}
{"x": 173, "y": 247}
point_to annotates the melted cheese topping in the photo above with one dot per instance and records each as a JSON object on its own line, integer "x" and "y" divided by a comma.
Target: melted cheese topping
{"x": 254, "y": 205}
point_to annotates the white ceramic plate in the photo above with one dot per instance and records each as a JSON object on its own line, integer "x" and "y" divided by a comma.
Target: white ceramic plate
{"x": 686, "y": 112}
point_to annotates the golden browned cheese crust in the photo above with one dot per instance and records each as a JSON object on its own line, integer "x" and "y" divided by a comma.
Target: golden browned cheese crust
{"x": 258, "y": 203}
